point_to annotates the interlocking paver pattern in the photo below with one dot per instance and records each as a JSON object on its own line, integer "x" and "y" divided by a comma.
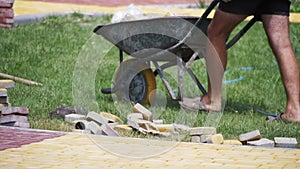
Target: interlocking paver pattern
{"x": 90, "y": 151}
{"x": 16, "y": 137}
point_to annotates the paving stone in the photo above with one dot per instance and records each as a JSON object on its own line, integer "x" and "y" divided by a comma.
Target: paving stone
{"x": 3, "y": 92}
{"x": 7, "y": 20}
{"x": 196, "y": 139}
{"x": 135, "y": 116}
{"x": 123, "y": 128}
{"x": 21, "y": 124}
{"x": 6, "y": 25}
{"x": 4, "y": 105}
{"x": 80, "y": 124}
{"x": 6, "y": 5}
{"x": 232, "y": 142}
{"x": 13, "y": 118}
{"x": 94, "y": 128}
{"x": 202, "y": 130}
{"x": 17, "y": 124}
{"x": 147, "y": 115}
{"x": 181, "y": 128}
{"x": 133, "y": 123}
{"x": 93, "y": 116}
{"x": 149, "y": 131}
{"x": 205, "y": 138}
{"x": 158, "y": 122}
{"x": 15, "y": 110}
{"x": 73, "y": 117}
{"x": 166, "y": 128}
{"x": 7, "y": 84}
{"x": 6, "y": 12}
{"x": 144, "y": 126}
{"x": 216, "y": 139}
{"x": 250, "y": 136}
{"x": 285, "y": 142}
{"x": 262, "y": 142}
{"x": 111, "y": 118}
{"x": 4, "y": 99}
{"x": 165, "y": 134}
{"x": 108, "y": 130}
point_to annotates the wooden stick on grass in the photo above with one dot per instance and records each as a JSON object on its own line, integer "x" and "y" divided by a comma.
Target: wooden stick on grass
{"x": 21, "y": 80}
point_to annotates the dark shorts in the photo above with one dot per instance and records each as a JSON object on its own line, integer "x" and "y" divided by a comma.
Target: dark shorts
{"x": 256, "y": 7}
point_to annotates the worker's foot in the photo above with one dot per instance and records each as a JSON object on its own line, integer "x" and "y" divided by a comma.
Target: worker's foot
{"x": 199, "y": 104}
{"x": 290, "y": 117}
{"x": 286, "y": 117}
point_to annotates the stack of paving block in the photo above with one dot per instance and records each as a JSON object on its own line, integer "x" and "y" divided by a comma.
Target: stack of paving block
{"x": 140, "y": 120}
{"x": 6, "y": 13}
{"x": 209, "y": 135}
{"x": 254, "y": 138}
{"x": 11, "y": 116}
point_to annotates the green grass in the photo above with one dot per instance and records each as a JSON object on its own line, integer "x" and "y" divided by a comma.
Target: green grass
{"x": 47, "y": 52}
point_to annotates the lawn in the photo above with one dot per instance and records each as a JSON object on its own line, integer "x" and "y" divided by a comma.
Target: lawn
{"x": 47, "y": 52}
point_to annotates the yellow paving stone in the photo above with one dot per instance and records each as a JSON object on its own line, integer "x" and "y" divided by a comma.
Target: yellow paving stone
{"x": 83, "y": 150}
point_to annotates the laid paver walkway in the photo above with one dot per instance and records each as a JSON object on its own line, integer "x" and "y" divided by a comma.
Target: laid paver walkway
{"x": 90, "y": 151}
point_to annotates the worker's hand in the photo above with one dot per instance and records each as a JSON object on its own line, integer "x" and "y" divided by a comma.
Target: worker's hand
{"x": 226, "y": 1}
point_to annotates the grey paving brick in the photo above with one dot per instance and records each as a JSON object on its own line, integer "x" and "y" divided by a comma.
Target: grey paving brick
{"x": 262, "y": 142}
{"x": 3, "y": 92}
{"x": 250, "y": 136}
{"x": 202, "y": 130}
{"x": 108, "y": 130}
{"x": 285, "y": 142}
{"x": 73, "y": 117}
{"x": 15, "y": 110}
{"x": 13, "y": 118}
{"x": 94, "y": 128}
{"x": 147, "y": 114}
{"x": 7, "y": 84}
{"x": 96, "y": 117}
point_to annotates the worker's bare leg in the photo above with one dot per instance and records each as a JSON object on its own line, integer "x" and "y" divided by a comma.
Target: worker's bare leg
{"x": 220, "y": 28}
{"x": 277, "y": 29}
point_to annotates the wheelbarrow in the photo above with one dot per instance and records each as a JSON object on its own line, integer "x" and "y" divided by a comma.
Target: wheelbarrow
{"x": 169, "y": 36}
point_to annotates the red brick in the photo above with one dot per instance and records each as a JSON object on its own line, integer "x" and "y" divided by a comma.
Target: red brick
{"x": 13, "y": 118}
{"x": 7, "y": 20}
{"x": 6, "y": 25}
{"x": 15, "y": 110}
{"x": 7, "y": 1}
{"x": 21, "y": 124}
{"x": 6, "y": 12}
{"x": 6, "y": 5}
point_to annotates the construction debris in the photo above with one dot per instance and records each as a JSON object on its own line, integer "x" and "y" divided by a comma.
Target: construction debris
{"x": 11, "y": 116}
{"x": 140, "y": 120}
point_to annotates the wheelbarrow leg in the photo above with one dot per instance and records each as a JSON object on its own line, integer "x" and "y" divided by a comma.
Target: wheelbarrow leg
{"x": 180, "y": 72}
{"x": 109, "y": 90}
{"x": 164, "y": 80}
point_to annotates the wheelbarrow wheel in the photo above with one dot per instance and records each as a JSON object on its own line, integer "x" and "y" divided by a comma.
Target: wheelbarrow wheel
{"x": 135, "y": 81}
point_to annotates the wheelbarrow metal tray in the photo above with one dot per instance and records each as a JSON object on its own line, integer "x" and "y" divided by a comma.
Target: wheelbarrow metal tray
{"x": 157, "y": 33}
